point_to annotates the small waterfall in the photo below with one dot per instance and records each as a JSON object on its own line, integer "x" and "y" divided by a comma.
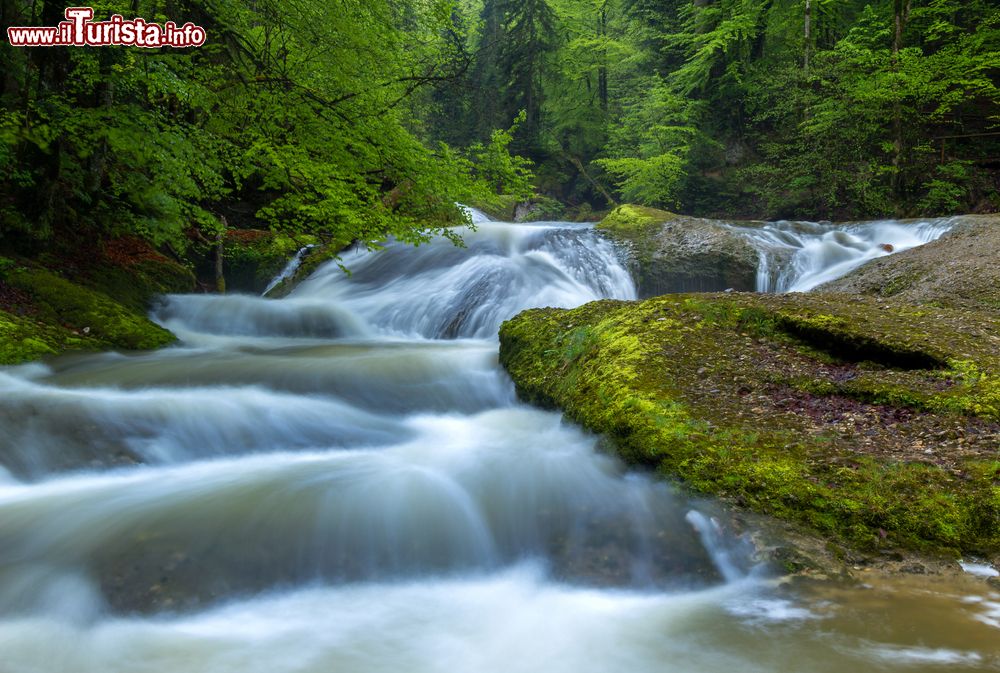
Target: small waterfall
{"x": 289, "y": 270}
{"x": 344, "y": 480}
{"x": 445, "y": 292}
{"x": 477, "y": 216}
{"x": 727, "y": 557}
{"x": 799, "y": 256}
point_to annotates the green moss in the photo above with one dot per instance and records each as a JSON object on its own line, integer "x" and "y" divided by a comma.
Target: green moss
{"x": 23, "y": 339}
{"x": 138, "y": 284}
{"x": 693, "y": 386}
{"x": 635, "y": 222}
{"x": 99, "y": 320}
{"x": 900, "y": 284}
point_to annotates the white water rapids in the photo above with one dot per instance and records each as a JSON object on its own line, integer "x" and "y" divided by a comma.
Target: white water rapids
{"x": 343, "y": 480}
{"x": 800, "y": 256}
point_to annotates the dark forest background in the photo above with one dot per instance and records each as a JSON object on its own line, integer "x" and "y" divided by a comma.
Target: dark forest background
{"x": 354, "y": 120}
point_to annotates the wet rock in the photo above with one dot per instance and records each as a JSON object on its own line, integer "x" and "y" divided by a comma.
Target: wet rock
{"x": 959, "y": 270}
{"x": 669, "y": 253}
{"x": 803, "y": 406}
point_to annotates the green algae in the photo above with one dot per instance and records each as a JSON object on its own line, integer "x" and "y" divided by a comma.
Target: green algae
{"x": 693, "y": 386}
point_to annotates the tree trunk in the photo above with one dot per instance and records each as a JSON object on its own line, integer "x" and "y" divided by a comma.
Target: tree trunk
{"x": 220, "y": 278}
{"x": 594, "y": 183}
{"x": 901, "y": 13}
{"x": 808, "y": 35}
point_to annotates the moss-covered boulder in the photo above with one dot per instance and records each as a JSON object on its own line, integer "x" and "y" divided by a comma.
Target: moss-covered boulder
{"x": 669, "y": 253}
{"x": 131, "y": 272}
{"x": 873, "y": 423}
{"x": 959, "y": 270}
{"x": 44, "y": 314}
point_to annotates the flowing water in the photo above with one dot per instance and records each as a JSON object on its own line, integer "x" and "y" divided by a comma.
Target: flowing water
{"x": 343, "y": 480}
{"x": 799, "y": 256}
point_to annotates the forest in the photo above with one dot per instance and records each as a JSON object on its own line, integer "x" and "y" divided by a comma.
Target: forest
{"x": 354, "y": 120}
{"x": 500, "y": 336}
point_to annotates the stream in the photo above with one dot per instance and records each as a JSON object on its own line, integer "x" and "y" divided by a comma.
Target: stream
{"x": 343, "y": 480}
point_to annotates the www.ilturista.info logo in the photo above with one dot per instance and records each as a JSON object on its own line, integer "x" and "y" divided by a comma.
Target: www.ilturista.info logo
{"x": 79, "y": 30}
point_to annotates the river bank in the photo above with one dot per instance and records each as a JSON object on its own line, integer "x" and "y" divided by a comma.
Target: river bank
{"x": 873, "y": 423}
{"x": 840, "y": 408}
{"x": 100, "y": 298}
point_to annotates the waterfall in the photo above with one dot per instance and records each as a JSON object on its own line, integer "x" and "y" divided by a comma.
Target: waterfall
{"x": 293, "y": 265}
{"x": 799, "y": 256}
{"x": 344, "y": 480}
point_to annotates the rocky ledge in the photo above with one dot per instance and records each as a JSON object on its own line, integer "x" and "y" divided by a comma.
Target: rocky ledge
{"x": 669, "y": 253}
{"x": 873, "y": 423}
{"x": 959, "y": 270}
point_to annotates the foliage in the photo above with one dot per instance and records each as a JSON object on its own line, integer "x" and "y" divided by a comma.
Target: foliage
{"x": 503, "y": 172}
{"x": 359, "y": 121}
{"x": 304, "y": 117}
{"x": 755, "y": 107}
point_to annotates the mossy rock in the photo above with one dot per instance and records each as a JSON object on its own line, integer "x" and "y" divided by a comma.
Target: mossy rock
{"x": 23, "y": 339}
{"x": 874, "y": 424}
{"x": 65, "y": 315}
{"x": 138, "y": 284}
{"x": 959, "y": 270}
{"x": 313, "y": 259}
{"x": 669, "y": 253}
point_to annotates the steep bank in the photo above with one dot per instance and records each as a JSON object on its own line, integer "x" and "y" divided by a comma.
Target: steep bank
{"x": 99, "y": 299}
{"x": 669, "y": 253}
{"x": 873, "y": 423}
{"x": 959, "y": 270}
{"x": 96, "y": 302}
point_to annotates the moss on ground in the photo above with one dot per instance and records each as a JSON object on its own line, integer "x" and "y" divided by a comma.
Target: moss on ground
{"x": 23, "y": 339}
{"x": 875, "y": 424}
{"x": 50, "y": 314}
